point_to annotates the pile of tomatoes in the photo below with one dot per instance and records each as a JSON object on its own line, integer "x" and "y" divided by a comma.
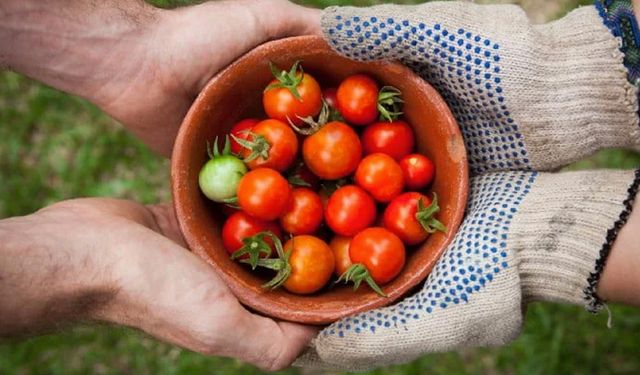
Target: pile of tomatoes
{"x": 333, "y": 172}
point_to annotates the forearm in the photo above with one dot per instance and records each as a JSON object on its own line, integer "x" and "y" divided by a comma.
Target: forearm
{"x": 621, "y": 274}
{"x": 74, "y": 45}
{"x": 44, "y": 281}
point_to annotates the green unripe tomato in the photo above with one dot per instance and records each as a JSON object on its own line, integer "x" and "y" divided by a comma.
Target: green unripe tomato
{"x": 220, "y": 176}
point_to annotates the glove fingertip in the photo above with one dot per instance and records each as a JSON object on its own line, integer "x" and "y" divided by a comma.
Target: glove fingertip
{"x": 344, "y": 36}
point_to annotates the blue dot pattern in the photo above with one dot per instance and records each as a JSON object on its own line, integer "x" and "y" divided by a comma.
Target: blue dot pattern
{"x": 463, "y": 66}
{"x": 478, "y": 254}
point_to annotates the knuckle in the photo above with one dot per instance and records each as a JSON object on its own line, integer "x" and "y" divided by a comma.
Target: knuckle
{"x": 274, "y": 358}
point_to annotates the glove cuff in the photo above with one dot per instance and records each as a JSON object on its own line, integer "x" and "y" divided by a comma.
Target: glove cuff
{"x": 619, "y": 17}
{"x": 580, "y": 100}
{"x": 564, "y": 232}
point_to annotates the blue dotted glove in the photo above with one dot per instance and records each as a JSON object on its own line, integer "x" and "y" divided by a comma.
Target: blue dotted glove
{"x": 527, "y": 98}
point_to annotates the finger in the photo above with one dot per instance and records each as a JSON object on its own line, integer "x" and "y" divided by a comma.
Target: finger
{"x": 160, "y": 218}
{"x": 281, "y": 18}
{"x": 273, "y": 345}
{"x": 166, "y": 222}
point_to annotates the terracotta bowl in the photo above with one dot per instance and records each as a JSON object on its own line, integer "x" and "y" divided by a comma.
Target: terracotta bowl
{"x": 236, "y": 93}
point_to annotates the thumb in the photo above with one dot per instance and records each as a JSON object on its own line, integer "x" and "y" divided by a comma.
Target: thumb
{"x": 273, "y": 345}
{"x": 281, "y": 18}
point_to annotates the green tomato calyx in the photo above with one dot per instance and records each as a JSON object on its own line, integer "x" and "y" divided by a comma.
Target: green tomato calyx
{"x": 313, "y": 125}
{"x": 254, "y": 247}
{"x": 280, "y": 264}
{"x": 389, "y": 103}
{"x": 215, "y": 152}
{"x": 289, "y": 80}
{"x": 357, "y": 273}
{"x": 426, "y": 216}
{"x": 258, "y": 145}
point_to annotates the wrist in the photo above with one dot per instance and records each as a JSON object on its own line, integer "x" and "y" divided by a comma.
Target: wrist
{"x": 48, "y": 280}
{"x": 564, "y": 232}
{"x": 80, "y": 49}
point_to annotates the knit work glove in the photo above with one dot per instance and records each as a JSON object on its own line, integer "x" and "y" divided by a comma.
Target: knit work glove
{"x": 527, "y": 98}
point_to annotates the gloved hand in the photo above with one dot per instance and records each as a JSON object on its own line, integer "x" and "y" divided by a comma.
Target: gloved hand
{"x": 527, "y": 98}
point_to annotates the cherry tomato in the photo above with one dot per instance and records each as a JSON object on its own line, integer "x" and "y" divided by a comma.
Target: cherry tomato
{"x": 312, "y": 264}
{"x": 380, "y": 251}
{"x": 332, "y": 152}
{"x": 340, "y": 247}
{"x": 403, "y": 217}
{"x": 263, "y": 193}
{"x": 304, "y": 213}
{"x": 220, "y": 175}
{"x": 329, "y": 96}
{"x": 395, "y": 139}
{"x": 241, "y": 130}
{"x": 349, "y": 210}
{"x": 240, "y": 226}
{"x": 281, "y": 103}
{"x": 358, "y": 99}
{"x": 380, "y": 176}
{"x": 276, "y": 140}
{"x": 418, "y": 171}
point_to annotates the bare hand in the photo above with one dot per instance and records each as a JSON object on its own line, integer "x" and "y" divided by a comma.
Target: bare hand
{"x": 183, "y": 49}
{"x": 121, "y": 262}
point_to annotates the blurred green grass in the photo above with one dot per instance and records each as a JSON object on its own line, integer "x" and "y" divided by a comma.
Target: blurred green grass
{"x": 54, "y": 147}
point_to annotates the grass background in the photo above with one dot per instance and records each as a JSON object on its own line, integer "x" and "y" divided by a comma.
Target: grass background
{"x": 54, "y": 146}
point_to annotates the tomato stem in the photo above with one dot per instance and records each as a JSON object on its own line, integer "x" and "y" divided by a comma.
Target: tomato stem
{"x": 358, "y": 273}
{"x": 289, "y": 80}
{"x": 313, "y": 125}
{"x": 389, "y": 102}
{"x": 259, "y": 146}
{"x": 254, "y": 246}
{"x": 280, "y": 264}
{"x": 425, "y": 216}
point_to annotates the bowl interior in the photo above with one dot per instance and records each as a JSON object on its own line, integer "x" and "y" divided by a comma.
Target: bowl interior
{"x": 236, "y": 93}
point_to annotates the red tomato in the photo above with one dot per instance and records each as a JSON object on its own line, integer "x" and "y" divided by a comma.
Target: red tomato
{"x": 349, "y": 210}
{"x": 329, "y": 96}
{"x": 358, "y": 99}
{"x": 380, "y": 176}
{"x": 240, "y": 226}
{"x": 311, "y": 263}
{"x": 280, "y": 102}
{"x": 418, "y": 171}
{"x": 275, "y": 139}
{"x": 263, "y": 193}
{"x": 402, "y": 217}
{"x": 332, "y": 152}
{"x": 340, "y": 247}
{"x": 380, "y": 251}
{"x": 241, "y": 130}
{"x": 395, "y": 139}
{"x": 304, "y": 213}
